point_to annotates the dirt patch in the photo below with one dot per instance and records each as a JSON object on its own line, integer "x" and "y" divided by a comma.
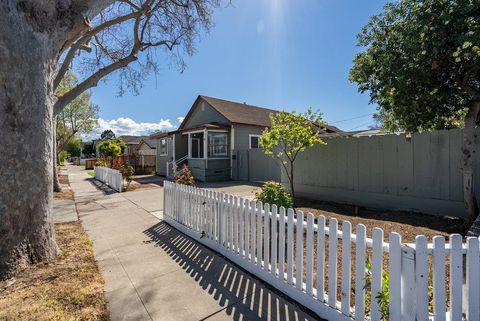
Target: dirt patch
{"x": 70, "y": 288}
{"x": 135, "y": 186}
{"x": 407, "y": 224}
{"x": 67, "y": 192}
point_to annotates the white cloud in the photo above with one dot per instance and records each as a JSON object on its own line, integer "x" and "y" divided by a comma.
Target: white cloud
{"x": 180, "y": 119}
{"x": 127, "y": 126}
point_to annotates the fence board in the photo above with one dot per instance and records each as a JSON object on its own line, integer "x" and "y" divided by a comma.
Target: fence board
{"x": 259, "y": 234}
{"x": 439, "y": 308}
{"x": 456, "y": 275}
{"x": 360, "y": 272}
{"x": 332, "y": 263}
{"x": 346, "y": 267}
{"x": 309, "y": 259}
{"x": 473, "y": 279}
{"x": 395, "y": 269}
{"x": 266, "y": 238}
{"x": 274, "y": 241}
{"x": 290, "y": 247}
{"x": 299, "y": 252}
{"x": 421, "y": 275}
{"x": 377, "y": 271}
{"x": 321, "y": 258}
{"x": 281, "y": 244}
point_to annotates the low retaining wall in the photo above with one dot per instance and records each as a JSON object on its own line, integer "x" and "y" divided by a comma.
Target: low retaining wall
{"x": 108, "y": 176}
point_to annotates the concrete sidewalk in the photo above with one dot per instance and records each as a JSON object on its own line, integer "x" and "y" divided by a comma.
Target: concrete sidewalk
{"x": 153, "y": 272}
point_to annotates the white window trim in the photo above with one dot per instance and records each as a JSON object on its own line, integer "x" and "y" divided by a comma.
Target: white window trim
{"x": 217, "y": 156}
{"x": 250, "y": 140}
{"x": 166, "y": 147}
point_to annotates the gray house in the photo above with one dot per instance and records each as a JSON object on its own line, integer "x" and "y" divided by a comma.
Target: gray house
{"x": 214, "y": 140}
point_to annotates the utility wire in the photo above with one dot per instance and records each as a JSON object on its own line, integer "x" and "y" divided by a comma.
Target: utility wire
{"x": 366, "y": 124}
{"x": 357, "y": 117}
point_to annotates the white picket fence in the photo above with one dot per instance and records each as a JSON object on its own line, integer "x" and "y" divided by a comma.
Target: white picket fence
{"x": 109, "y": 176}
{"x": 298, "y": 253}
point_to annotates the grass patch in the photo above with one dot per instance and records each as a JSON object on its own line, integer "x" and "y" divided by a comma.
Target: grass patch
{"x": 70, "y": 288}
{"x": 91, "y": 173}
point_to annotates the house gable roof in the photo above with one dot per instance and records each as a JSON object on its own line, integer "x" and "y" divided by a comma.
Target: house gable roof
{"x": 135, "y": 140}
{"x": 241, "y": 113}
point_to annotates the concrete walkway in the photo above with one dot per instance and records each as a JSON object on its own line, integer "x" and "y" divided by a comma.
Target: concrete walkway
{"x": 64, "y": 211}
{"x": 153, "y": 272}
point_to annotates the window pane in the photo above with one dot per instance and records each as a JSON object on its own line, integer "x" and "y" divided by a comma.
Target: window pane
{"x": 254, "y": 142}
{"x": 217, "y": 144}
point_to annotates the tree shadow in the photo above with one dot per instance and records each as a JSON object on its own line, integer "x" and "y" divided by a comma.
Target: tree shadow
{"x": 239, "y": 294}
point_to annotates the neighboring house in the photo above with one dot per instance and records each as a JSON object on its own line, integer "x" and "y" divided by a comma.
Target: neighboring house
{"x": 214, "y": 139}
{"x": 138, "y": 145}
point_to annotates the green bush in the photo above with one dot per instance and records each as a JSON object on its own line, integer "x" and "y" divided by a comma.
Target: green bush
{"x": 127, "y": 175}
{"x": 274, "y": 193}
{"x": 102, "y": 163}
{"x": 62, "y": 156}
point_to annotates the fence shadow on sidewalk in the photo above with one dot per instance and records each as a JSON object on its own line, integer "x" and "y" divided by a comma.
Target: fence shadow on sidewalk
{"x": 239, "y": 295}
{"x": 105, "y": 189}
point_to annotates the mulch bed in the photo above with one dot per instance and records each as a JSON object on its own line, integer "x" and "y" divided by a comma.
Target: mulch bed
{"x": 407, "y": 224}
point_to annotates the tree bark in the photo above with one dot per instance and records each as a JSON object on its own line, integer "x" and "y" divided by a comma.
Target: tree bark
{"x": 26, "y": 128}
{"x": 292, "y": 188}
{"x": 471, "y": 206}
{"x": 56, "y": 182}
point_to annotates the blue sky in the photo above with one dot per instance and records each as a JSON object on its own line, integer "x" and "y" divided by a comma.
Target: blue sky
{"x": 290, "y": 54}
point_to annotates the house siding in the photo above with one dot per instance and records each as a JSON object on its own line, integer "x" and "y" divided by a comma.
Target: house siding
{"x": 241, "y": 161}
{"x": 217, "y": 169}
{"x": 203, "y": 113}
{"x": 242, "y": 137}
{"x": 161, "y": 163}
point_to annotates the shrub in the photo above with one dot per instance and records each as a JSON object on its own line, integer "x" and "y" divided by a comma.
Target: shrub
{"x": 184, "y": 176}
{"x": 274, "y": 193}
{"x": 127, "y": 175}
{"x": 62, "y": 156}
{"x": 102, "y": 163}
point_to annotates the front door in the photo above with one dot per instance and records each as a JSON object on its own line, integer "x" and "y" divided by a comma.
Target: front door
{"x": 196, "y": 148}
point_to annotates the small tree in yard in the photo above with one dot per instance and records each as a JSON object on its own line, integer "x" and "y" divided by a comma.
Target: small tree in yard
{"x": 421, "y": 65}
{"x": 289, "y": 135}
{"x": 127, "y": 175}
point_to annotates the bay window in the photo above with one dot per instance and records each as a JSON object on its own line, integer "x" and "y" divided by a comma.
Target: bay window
{"x": 217, "y": 144}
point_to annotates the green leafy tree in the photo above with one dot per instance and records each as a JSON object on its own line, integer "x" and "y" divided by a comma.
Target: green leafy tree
{"x": 289, "y": 135}
{"x": 74, "y": 147}
{"x": 421, "y": 65}
{"x": 77, "y": 118}
{"x": 107, "y": 134}
{"x": 88, "y": 149}
{"x": 111, "y": 148}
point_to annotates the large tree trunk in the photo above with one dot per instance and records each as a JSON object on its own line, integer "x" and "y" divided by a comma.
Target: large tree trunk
{"x": 26, "y": 124}
{"x": 56, "y": 182}
{"x": 471, "y": 206}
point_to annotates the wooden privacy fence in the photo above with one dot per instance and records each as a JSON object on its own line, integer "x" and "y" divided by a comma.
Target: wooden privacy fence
{"x": 109, "y": 176}
{"x": 337, "y": 273}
